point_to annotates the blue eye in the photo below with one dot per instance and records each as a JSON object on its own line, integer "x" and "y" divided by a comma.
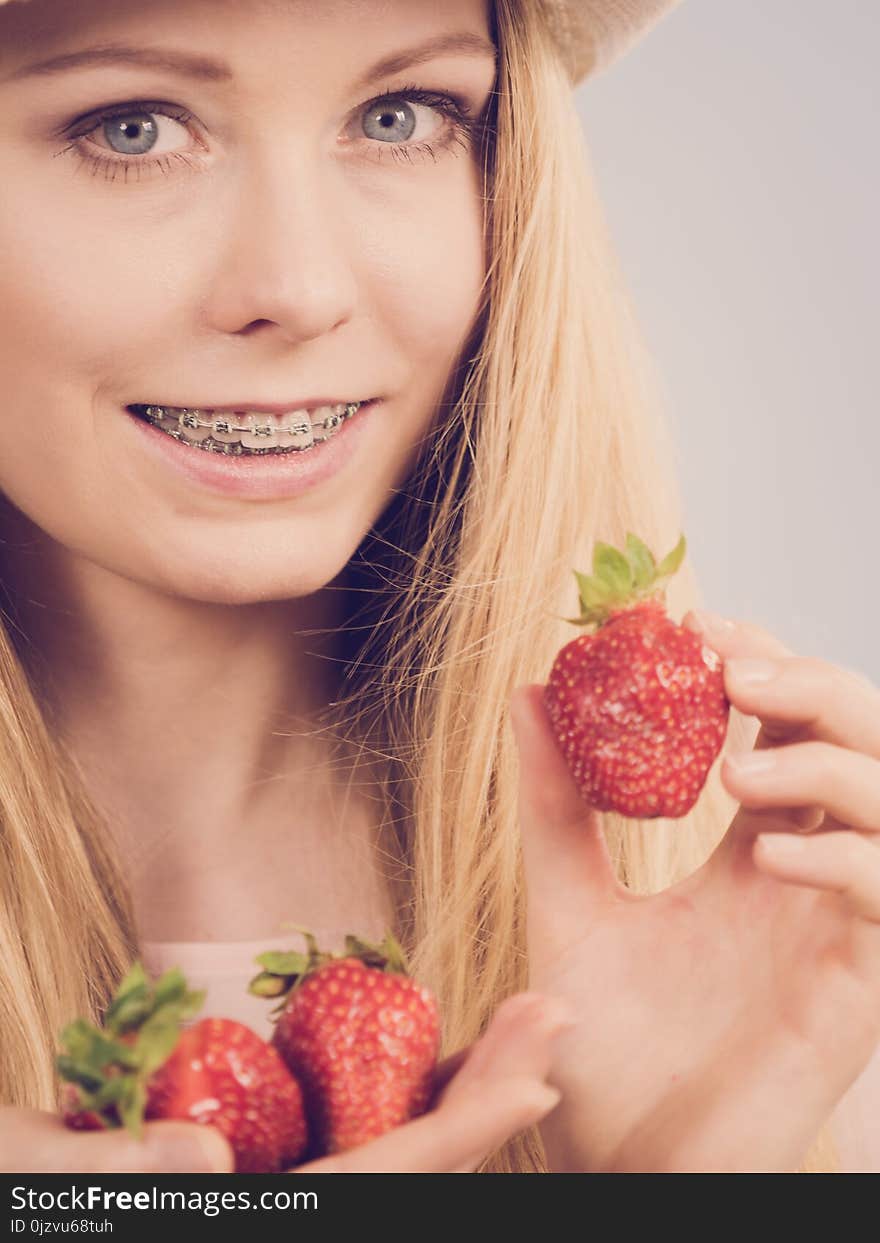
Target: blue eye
{"x": 132, "y": 127}
{"x": 132, "y": 131}
{"x": 393, "y": 112}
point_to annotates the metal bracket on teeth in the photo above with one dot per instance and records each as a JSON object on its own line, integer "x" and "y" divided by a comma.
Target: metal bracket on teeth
{"x": 188, "y": 418}
{"x": 153, "y": 414}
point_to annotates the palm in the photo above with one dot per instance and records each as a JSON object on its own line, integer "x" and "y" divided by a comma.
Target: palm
{"x": 729, "y": 992}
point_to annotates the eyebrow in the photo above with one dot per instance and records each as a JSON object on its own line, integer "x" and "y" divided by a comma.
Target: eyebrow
{"x": 207, "y": 69}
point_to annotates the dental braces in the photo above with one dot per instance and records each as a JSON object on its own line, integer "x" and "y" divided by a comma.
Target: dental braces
{"x": 188, "y": 418}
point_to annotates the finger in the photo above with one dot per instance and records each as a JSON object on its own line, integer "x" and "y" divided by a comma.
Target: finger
{"x": 842, "y": 862}
{"x": 737, "y": 639}
{"x": 475, "y": 1055}
{"x": 515, "y": 1042}
{"x": 499, "y": 1091}
{"x": 808, "y": 819}
{"x": 803, "y": 696}
{"x": 734, "y": 638}
{"x": 44, "y": 1143}
{"x": 805, "y": 774}
{"x": 445, "y": 1070}
{"x": 451, "y": 1141}
{"x": 565, "y": 857}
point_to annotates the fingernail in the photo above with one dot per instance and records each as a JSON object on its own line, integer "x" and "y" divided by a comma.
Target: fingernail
{"x": 782, "y": 843}
{"x": 558, "y": 1013}
{"x": 712, "y": 623}
{"x": 752, "y": 762}
{"x": 750, "y": 671}
{"x": 552, "y": 1097}
{"x": 207, "y": 1154}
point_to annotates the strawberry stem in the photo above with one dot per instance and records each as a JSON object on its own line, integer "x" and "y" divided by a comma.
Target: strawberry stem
{"x": 622, "y": 579}
{"x": 111, "y": 1065}
{"x": 283, "y": 971}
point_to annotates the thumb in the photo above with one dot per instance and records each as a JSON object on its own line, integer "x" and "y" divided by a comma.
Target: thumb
{"x": 165, "y": 1147}
{"x": 184, "y": 1147}
{"x": 40, "y": 1140}
{"x": 565, "y": 857}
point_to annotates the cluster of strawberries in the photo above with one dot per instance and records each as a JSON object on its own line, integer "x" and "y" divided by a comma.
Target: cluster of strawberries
{"x": 353, "y": 1052}
{"x": 639, "y": 711}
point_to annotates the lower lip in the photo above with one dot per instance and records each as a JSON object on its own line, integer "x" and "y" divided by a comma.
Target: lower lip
{"x": 268, "y": 477}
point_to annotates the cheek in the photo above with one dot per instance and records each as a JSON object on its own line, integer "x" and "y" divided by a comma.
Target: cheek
{"x": 427, "y": 276}
{"x": 74, "y": 294}
{"x": 90, "y": 280}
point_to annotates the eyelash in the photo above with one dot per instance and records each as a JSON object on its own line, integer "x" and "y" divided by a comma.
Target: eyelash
{"x": 461, "y": 130}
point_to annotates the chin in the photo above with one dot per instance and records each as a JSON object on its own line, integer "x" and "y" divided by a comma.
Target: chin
{"x": 240, "y": 580}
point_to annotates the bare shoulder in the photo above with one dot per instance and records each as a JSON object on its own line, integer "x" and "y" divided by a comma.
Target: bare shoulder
{"x": 855, "y": 1123}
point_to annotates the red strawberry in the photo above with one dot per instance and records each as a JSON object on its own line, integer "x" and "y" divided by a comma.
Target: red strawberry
{"x": 218, "y": 1072}
{"x": 358, "y": 1033}
{"x": 638, "y": 707}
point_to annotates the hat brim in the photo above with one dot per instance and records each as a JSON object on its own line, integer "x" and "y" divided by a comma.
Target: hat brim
{"x": 592, "y": 34}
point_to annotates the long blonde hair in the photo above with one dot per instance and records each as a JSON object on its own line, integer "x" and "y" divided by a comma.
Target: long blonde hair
{"x": 553, "y": 434}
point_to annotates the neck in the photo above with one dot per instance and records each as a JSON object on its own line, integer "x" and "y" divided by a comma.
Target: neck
{"x": 192, "y": 722}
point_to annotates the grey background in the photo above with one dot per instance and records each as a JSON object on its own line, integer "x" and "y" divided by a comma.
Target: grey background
{"x": 736, "y": 149}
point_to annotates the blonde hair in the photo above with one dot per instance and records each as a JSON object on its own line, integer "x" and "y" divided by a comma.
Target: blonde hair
{"x": 552, "y": 435}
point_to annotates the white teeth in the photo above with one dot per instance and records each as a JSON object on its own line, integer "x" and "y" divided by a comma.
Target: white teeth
{"x": 221, "y": 429}
{"x": 264, "y": 433}
{"x": 189, "y": 427}
{"x": 269, "y": 431}
{"x": 299, "y": 433}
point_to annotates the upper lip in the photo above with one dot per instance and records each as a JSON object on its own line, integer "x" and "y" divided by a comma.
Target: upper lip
{"x": 267, "y": 407}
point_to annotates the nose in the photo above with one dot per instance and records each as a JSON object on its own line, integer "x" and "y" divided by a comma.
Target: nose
{"x": 285, "y": 259}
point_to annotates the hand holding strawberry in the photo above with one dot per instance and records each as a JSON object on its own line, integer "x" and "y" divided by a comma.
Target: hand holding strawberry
{"x": 483, "y": 1095}
{"x": 480, "y": 1097}
{"x": 218, "y": 1072}
{"x": 748, "y": 991}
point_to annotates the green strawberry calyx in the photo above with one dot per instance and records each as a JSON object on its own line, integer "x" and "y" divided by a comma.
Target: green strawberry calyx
{"x": 621, "y": 580}
{"x": 111, "y": 1065}
{"x": 284, "y": 970}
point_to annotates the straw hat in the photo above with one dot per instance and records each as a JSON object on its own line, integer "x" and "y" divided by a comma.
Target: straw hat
{"x": 591, "y": 34}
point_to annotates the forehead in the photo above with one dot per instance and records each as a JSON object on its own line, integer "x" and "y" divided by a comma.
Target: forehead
{"x": 299, "y": 26}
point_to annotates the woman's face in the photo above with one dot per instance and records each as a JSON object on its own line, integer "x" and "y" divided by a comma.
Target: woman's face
{"x": 261, "y": 236}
